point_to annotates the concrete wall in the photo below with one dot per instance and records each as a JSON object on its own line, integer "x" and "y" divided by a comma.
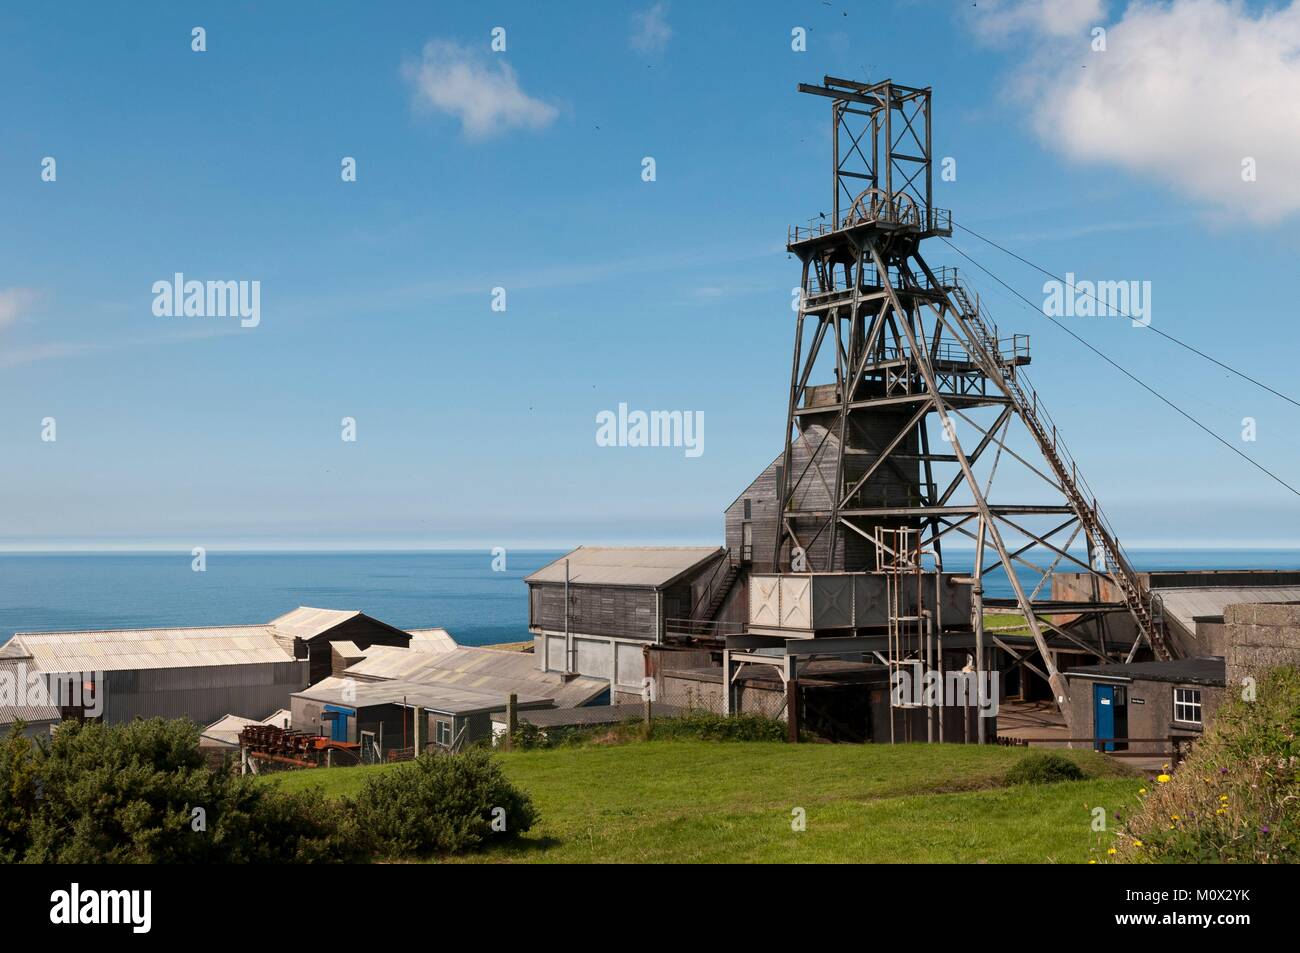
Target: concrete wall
{"x": 621, "y": 662}
{"x": 1260, "y": 637}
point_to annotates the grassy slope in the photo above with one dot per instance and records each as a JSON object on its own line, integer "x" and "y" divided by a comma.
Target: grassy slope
{"x": 689, "y": 801}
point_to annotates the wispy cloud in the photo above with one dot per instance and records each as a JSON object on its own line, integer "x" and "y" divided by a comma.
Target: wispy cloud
{"x": 478, "y": 88}
{"x": 14, "y": 303}
{"x": 1191, "y": 93}
{"x": 56, "y": 350}
{"x": 650, "y": 30}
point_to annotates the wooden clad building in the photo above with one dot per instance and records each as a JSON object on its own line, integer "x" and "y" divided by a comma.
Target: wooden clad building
{"x": 616, "y": 600}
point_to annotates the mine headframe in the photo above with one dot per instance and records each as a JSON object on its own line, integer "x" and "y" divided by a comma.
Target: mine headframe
{"x": 903, "y": 396}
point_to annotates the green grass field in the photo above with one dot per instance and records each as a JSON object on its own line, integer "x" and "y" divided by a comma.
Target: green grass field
{"x": 697, "y": 801}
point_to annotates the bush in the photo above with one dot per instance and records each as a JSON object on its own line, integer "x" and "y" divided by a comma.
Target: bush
{"x": 1044, "y": 768}
{"x": 707, "y": 726}
{"x": 276, "y": 827}
{"x": 19, "y": 771}
{"x": 142, "y": 793}
{"x": 441, "y": 804}
{"x": 1234, "y": 799}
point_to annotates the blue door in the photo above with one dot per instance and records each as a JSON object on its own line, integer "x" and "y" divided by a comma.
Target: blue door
{"x": 339, "y": 728}
{"x": 1103, "y": 716}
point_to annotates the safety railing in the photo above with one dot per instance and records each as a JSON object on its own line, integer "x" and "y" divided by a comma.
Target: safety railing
{"x": 703, "y": 628}
{"x": 902, "y": 214}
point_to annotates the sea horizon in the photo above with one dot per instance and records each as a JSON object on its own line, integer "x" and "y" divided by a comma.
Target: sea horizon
{"x": 467, "y": 591}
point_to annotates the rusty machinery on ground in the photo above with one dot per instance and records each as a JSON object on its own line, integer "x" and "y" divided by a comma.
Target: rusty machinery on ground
{"x": 284, "y": 746}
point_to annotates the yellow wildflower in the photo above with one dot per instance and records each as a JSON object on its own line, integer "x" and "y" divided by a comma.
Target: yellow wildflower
{"x": 1162, "y": 778}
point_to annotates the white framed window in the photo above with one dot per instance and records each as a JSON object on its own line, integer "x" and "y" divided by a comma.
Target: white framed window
{"x": 1187, "y": 705}
{"x": 444, "y": 733}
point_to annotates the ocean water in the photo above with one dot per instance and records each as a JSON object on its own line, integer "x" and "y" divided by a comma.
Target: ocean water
{"x": 456, "y": 590}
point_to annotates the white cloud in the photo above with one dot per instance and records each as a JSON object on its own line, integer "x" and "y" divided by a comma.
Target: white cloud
{"x": 1001, "y": 19}
{"x": 650, "y": 30}
{"x": 1184, "y": 93}
{"x": 484, "y": 94}
{"x": 14, "y": 303}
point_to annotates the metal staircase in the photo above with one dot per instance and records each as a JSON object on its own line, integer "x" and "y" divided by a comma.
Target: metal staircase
{"x": 1140, "y": 602}
{"x": 720, "y": 592}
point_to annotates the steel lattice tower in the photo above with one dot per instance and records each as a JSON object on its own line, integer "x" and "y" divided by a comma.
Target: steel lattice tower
{"x": 925, "y": 401}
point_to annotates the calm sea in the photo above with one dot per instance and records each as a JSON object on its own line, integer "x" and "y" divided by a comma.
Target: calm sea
{"x": 456, "y": 590}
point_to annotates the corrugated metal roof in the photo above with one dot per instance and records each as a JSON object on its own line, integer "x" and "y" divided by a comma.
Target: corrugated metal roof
{"x": 432, "y": 640}
{"x": 450, "y": 700}
{"x": 645, "y": 567}
{"x": 20, "y": 699}
{"x": 479, "y": 669}
{"x": 281, "y": 718}
{"x": 306, "y": 622}
{"x": 225, "y": 730}
{"x": 118, "y": 649}
{"x": 591, "y": 715}
{"x": 1186, "y": 604}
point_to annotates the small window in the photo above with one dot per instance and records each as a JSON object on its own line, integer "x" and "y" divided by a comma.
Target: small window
{"x": 749, "y": 509}
{"x": 444, "y": 734}
{"x": 1187, "y": 705}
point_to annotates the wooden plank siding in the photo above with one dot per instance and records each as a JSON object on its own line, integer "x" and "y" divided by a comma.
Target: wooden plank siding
{"x": 886, "y": 487}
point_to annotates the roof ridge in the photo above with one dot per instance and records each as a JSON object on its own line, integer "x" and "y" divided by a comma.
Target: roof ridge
{"x": 154, "y": 628}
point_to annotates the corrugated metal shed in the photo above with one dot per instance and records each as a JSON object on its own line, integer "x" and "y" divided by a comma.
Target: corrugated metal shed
{"x": 16, "y": 672}
{"x": 1184, "y": 605}
{"x": 446, "y": 699}
{"x": 644, "y": 567}
{"x": 122, "y": 649}
{"x": 501, "y": 673}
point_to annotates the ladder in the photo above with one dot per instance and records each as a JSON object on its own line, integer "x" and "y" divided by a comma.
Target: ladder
{"x": 1140, "y": 602}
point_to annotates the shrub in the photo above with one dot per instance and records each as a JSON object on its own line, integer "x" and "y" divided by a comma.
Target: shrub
{"x": 442, "y": 803}
{"x": 129, "y": 794}
{"x": 1234, "y": 799}
{"x": 707, "y": 726}
{"x": 1044, "y": 768}
{"x": 272, "y": 826}
{"x": 18, "y": 787}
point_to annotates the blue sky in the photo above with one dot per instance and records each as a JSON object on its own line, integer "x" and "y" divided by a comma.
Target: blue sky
{"x": 475, "y": 427}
